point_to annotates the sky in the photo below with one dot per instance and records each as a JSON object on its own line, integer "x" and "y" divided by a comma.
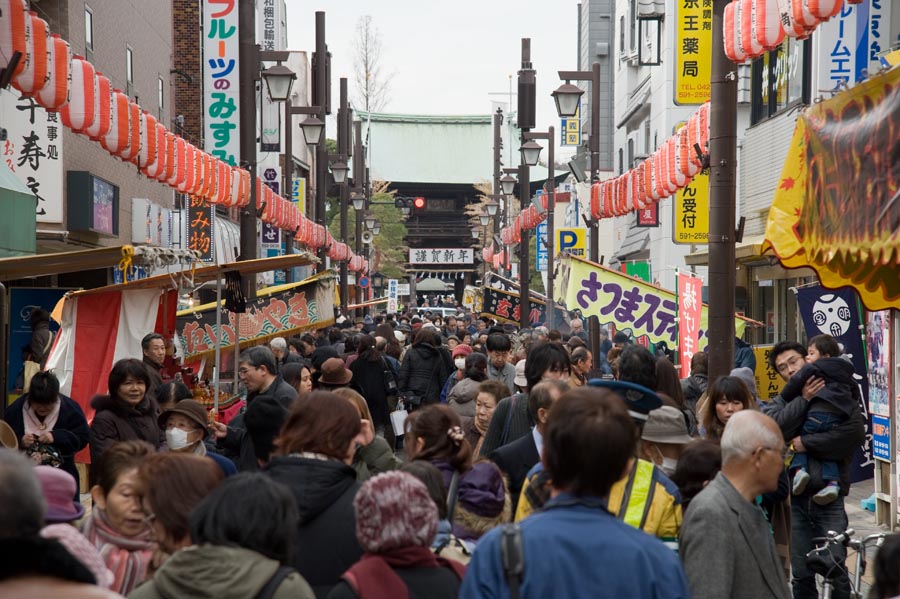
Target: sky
{"x": 448, "y": 57}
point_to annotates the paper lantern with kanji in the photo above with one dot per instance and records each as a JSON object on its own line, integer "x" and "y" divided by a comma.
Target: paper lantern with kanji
{"x": 768, "y": 31}
{"x": 118, "y": 135}
{"x": 55, "y": 91}
{"x": 190, "y": 166}
{"x": 13, "y": 24}
{"x": 731, "y": 33}
{"x": 157, "y": 167}
{"x": 223, "y": 182}
{"x": 199, "y": 173}
{"x": 688, "y": 160}
{"x": 677, "y": 179}
{"x": 33, "y": 75}
{"x": 102, "y": 105}
{"x": 748, "y": 29}
{"x": 78, "y": 113}
{"x": 147, "y": 147}
{"x": 205, "y": 182}
{"x": 792, "y": 27}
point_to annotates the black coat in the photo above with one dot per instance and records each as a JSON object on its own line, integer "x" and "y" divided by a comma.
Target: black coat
{"x": 515, "y": 460}
{"x": 237, "y": 444}
{"x": 370, "y": 379}
{"x": 841, "y": 390}
{"x": 424, "y": 370}
{"x": 70, "y": 435}
{"x": 116, "y": 421}
{"x": 326, "y": 538}
{"x": 693, "y": 387}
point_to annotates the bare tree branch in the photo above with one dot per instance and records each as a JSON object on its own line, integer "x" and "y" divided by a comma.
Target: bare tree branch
{"x": 372, "y": 85}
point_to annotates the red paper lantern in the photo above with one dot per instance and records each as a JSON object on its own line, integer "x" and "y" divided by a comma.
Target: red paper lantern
{"x": 118, "y": 135}
{"x": 223, "y": 182}
{"x": 190, "y": 167}
{"x": 131, "y": 150}
{"x": 12, "y": 30}
{"x": 731, "y": 34}
{"x": 769, "y": 30}
{"x": 55, "y": 91}
{"x": 178, "y": 163}
{"x": 595, "y": 200}
{"x": 157, "y": 167}
{"x": 748, "y": 29}
{"x": 98, "y": 129}
{"x": 33, "y": 75}
{"x": 802, "y": 15}
{"x": 792, "y": 27}
{"x": 147, "y": 145}
{"x": 78, "y": 113}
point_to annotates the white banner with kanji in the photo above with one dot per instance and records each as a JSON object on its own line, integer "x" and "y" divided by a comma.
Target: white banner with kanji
{"x": 689, "y": 308}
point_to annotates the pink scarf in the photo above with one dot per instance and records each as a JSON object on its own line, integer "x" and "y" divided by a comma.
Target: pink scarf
{"x": 33, "y": 424}
{"x": 126, "y": 557}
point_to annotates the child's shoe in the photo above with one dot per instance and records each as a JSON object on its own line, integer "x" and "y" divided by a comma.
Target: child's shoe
{"x": 801, "y": 479}
{"x": 828, "y": 494}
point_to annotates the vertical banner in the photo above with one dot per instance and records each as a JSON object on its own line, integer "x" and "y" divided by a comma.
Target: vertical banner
{"x": 33, "y": 150}
{"x": 392, "y": 296}
{"x": 540, "y": 244}
{"x": 570, "y": 129}
{"x": 878, "y": 345}
{"x": 690, "y": 212}
{"x": 768, "y": 381}
{"x": 268, "y": 23}
{"x": 199, "y": 233}
{"x": 221, "y": 89}
{"x": 693, "y": 51}
{"x": 826, "y": 311}
{"x": 689, "y": 300}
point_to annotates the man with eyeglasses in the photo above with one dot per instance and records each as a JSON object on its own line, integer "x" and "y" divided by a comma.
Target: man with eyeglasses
{"x": 257, "y": 371}
{"x": 726, "y": 544}
{"x": 810, "y": 520}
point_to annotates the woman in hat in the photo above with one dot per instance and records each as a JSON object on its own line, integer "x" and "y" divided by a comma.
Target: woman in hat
{"x": 396, "y": 521}
{"x": 49, "y": 427}
{"x": 335, "y": 375}
{"x": 187, "y": 426}
{"x": 117, "y": 525}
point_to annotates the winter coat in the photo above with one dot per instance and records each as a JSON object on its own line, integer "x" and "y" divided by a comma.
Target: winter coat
{"x": 423, "y": 369}
{"x": 462, "y": 397}
{"x": 369, "y": 377}
{"x": 154, "y": 371}
{"x": 506, "y": 375}
{"x": 693, "y": 387}
{"x": 70, "y": 435}
{"x": 115, "y": 420}
{"x": 841, "y": 389}
{"x": 219, "y": 572}
{"x": 421, "y": 583}
{"x": 237, "y": 444}
{"x": 743, "y": 355}
{"x": 510, "y": 421}
{"x": 326, "y": 537}
{"x": 375, "y": 458}
{"x": 41, "y": 341}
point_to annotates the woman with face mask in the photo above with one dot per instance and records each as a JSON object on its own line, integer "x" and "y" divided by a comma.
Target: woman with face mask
{"x": 186, "y": 428}
{"x": 664, "y": 436}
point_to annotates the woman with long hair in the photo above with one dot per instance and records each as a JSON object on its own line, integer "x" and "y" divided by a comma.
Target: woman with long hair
{"x": 425, "y": 367}
{"x": 725, "y": 396}
{"x": 298, "y": 376}
{"x": 376, "y": 379}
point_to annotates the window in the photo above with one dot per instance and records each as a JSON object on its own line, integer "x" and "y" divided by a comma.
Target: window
{"x": 780, "y": 79}
{"x": 622, "y": 38}
{"x": 129, "y": 70}
{"x": 630, "y": 153}
{"x": 647, "y": 149}
{"x": 632, "y": 27}
{"x": 161, "y": 95}
{"x": 621, "y": 161}
{"x": 88, "y": 30}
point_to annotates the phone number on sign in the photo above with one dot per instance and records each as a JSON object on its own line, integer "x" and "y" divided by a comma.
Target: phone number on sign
{"x": 693, "y": 236}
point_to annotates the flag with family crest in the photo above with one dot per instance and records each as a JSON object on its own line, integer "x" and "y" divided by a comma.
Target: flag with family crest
{"x": 836, "y": 313}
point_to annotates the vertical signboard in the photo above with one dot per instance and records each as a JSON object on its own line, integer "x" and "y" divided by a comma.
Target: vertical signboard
{"x": 851, "y": 41}
{"x": 571, "y": 240}
{"x": 878, "y": 351}
{"x": 268, "y": 24}
{"x": 298, "y": 193}
{"x": 199, "y": 233}
{"x": 693, "y": 50}
{"x": 540, "y": 243}
{"x": 570, "y": 129}
{"x": 648, "y": 217}
{"x": 768, "y": 381}
{"x": 689, "y": 300}
{"x": 392, "y": 296}
{"x": 33, "y": 150}
{"x": 690, "y": 212}
{"x": 221, "y": 89}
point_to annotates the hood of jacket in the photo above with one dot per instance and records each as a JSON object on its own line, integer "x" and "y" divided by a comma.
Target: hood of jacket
{"x": 425, "y": 350}
{"x": 316, "y": 484}
{"x": 107, "y": 402}
{"x": 213, "y": 571}
{"x": 837, "y": 369}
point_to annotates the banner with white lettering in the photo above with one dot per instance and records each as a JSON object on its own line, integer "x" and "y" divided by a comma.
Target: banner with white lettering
{"x": 689, "y": 299}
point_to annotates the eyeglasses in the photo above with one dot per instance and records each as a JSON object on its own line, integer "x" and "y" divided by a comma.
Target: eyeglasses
{"x": 783, "y": 451}
{"x": 785, "y": 366}
{"x": 244, "y": 371}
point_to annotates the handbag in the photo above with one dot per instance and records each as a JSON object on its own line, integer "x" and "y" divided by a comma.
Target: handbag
{"x": 390, "y": 380}
{"x": 43, "y": 454}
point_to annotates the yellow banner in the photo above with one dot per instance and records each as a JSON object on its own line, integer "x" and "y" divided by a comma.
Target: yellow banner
{"x": 626, "y": 302}
{"x": 693, "y": 49}
{"x": 691, "y": 212}
{"x": 768, "y": 381}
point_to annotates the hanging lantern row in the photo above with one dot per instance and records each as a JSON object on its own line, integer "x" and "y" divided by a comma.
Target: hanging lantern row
{"x": 89, "y": 105}
{"x": 526, "y": 220}
{"x": 667, "y": 170}
{"x": 487, "y": 253}
{"x": 754, "y": 27}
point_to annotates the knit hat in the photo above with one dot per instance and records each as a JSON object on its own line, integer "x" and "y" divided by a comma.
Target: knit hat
{"x": 59, "y": 488}
{"x": 81, "y": 549}
{"x": 394, "y": 510}
{"x": 334, "y": 372}
{"x": 483, "y": 501}
{"x": 746, "y": 375}
{"x": 520, "y": 379}
{"x": 462, "y": 350}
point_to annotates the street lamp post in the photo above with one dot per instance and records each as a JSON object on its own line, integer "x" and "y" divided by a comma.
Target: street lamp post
{"x": 344, "y": 123}
{"x": 550, "y": 136}
{"x": 526, "y": 89}
{"x": 249, "y": 70}
{"x": 567, "y": 96}
{"x": 320, "y": 88}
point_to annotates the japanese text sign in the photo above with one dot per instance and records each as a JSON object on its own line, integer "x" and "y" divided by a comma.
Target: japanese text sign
{"x": 221, "y": 89}
{"x": 540, "y": 243}
{"x": 693, "y": 50}
{"x": 768, "y": 381}
{"x": 626, "y": 302}
{"x": 298, "y": 193}
{"x": 441, "y": 256}
{"x": 392, "y": 296}
{"x": 33, "y": 151}
{"x": 648, "y": 217}
{"x": 571, "y": 240}
{"x": 570, "y": 129}
{"x": 200, "y": 217}
{"x": 690, "y": 298}
{"x": 690, "y": 212}
{"x": 505, "y": 307}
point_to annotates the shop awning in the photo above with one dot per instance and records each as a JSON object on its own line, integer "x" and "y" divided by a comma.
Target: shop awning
{"x": 751, "y": 248}
{"x": 18, "y": 225}
{"x": 62, "y": 262}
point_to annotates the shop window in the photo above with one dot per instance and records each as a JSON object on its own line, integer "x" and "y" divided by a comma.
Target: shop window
{"x": 780, "y": 79}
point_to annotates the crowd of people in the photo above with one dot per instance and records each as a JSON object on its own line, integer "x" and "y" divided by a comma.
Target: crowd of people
{"x": 410, "y": 455}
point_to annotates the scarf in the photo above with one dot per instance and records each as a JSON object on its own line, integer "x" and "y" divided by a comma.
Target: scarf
{"x": 373, "y": 576}
{"x": 126, "y": 557}
{"x": 34, "y": 425}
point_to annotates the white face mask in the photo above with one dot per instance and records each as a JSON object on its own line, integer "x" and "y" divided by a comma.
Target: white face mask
{"x": 668, "y": 464}
{"x": 460, "y": 363}
{"x": 177, "y": 438}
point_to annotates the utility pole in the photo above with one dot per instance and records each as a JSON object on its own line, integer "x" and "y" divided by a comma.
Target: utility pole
{"x": 722, "y": 157}
{"x": 320, "y": 91}
{"x": 527, "y": 90}
{"x": 344, "y": 119}
{"x": 248, "y": 54}
{"x": 359, "y": 184}
{"x": 498, "y": 165}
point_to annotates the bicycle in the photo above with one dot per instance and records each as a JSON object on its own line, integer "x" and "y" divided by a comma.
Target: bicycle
{"x": 821, "y": 560}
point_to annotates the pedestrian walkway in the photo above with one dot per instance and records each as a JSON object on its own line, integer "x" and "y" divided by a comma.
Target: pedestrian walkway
{"x": 863, "y": 522}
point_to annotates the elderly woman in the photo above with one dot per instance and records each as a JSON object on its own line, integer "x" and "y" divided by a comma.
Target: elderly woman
{"x": 50, "y": 426}
{"x": 489, "y": 395}
{"x": 186, "y": 426}
{"x": 313, "y": 459}
{"x": 117, "y": 525}
{"x": 396, "y": 520}
{"x": 127, "y": 413}
{"x": 462, "y": 397}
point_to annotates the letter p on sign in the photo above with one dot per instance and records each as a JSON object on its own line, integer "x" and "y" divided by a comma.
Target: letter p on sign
{"x": 572, "y": 240}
